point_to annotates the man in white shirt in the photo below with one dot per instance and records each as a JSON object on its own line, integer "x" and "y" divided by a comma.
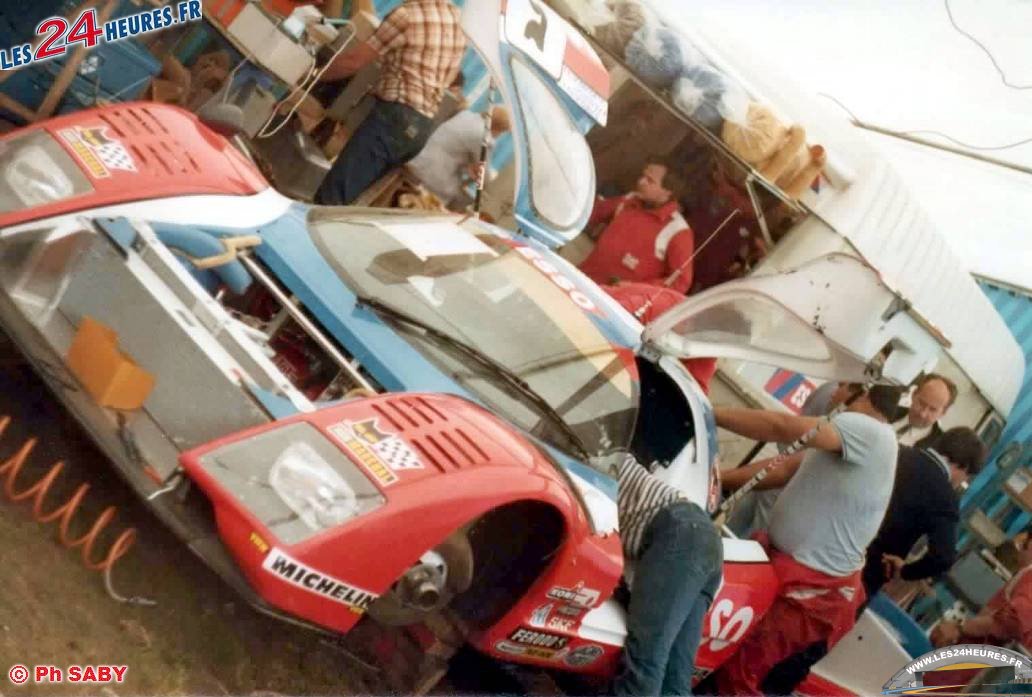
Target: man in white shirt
{"x": 932, "y": 398}
{"x": 451, "y": 154}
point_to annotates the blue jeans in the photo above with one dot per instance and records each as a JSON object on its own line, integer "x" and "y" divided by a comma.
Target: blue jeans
{"x": 390, "y": 136}
{"x": 675, "y": 580}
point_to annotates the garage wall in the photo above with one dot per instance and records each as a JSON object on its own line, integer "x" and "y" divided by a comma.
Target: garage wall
{"x": 1015, "y": 306}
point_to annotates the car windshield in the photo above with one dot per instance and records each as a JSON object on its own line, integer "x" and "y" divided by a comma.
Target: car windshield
{"x": 505, "y": 300}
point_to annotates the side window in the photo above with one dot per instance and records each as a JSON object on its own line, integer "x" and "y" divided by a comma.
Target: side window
{"x": 753, "y": 323}
{"x": 562, "y": 176}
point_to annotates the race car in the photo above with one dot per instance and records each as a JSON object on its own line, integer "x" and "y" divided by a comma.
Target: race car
{"x": 374, "y": 415}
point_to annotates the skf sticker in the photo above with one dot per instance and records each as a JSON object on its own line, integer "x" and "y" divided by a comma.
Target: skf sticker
{"x": 578, "y": 595}
{"x": 544, "y": 640}
{"x": 98, "y": 152}
{"x": 561, "y": 624}
{"x": 280, "y": 564}
{"x": 583, "y": 655}
{"x": 258, "y": 542}
{"x": 381, "y": 452}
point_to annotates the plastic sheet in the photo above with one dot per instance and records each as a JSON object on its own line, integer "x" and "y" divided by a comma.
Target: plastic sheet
{"x": 657, "y": 55}
{"x": 757, "y": 137}
{"x": 623, "y": 22}
{"x": 709, "y": 97}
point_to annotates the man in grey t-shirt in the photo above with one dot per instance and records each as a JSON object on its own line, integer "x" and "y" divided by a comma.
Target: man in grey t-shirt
{"x": 753, "y": 512}
{"x": 820, "y": 527}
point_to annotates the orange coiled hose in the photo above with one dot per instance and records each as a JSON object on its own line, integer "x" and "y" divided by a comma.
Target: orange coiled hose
{"x": 9, "y": 471}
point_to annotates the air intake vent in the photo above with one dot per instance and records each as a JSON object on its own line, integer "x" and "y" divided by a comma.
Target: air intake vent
{"x": 150, "y": 141}
{"x": 404, "y": 413}
{"x": 449, "y": 449}
{"x": 439, "y": 443}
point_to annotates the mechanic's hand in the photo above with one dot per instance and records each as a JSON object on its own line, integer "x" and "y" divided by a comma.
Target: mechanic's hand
{"x": 945, "y": 634}
{"x": 892, "y": 566}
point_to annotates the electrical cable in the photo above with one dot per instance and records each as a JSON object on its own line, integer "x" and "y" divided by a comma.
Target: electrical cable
{"x": 307, "y": 90}
{"x": 859, "y": 122}
{"x": 982, "y": 46}
{"x": 969, "y": 146}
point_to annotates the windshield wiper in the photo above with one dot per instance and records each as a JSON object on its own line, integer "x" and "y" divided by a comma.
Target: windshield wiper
{"x": 510, "y": 377}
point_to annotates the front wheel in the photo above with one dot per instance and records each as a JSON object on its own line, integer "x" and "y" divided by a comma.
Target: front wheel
{"x": 429, "y": 585}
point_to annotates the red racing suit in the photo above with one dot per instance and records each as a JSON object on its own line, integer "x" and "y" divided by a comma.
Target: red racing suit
{"x": 640, "y": 244}
{"x": 634, "y": 296}
{"x": 810, "y": 606}
{"x": 1011, "y": 609}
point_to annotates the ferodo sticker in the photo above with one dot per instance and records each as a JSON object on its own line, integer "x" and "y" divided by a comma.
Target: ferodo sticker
{"x": 381, "y": 452}
{"x": 543, "y": 640}
{"x": 98, "y": 152}
{"x": 282, "y": 565}
{"x": 578, "y": 595}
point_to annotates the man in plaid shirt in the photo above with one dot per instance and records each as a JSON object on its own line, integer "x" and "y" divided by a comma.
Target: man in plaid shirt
{"x": 420, "y": 46}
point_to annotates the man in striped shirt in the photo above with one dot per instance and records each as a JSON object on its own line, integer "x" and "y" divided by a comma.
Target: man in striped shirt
{"x": 677, "y": 559}
{"x": 420, "y": 46}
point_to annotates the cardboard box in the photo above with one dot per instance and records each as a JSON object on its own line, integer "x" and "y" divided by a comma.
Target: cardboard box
{"x": 366, "y": 23}
{"x": 986, "y": 529}
{"x": 224, "y": 11}
{"x": 1019, "y": 487}
{"x": 274, "y": 50}
{"x": 109, "y": 376}
{"x": 174, "y": 72}
{"x": 166, "y": 92}
{"x": 351, "y": 97}
{"x": 336, "y": 142}
{"x": 310, "y": 113}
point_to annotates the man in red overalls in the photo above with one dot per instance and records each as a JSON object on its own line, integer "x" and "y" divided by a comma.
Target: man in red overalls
{"x": 819, "y": 530}
{"x": 647, "y": 239}
{"x": 1006, "y": 617}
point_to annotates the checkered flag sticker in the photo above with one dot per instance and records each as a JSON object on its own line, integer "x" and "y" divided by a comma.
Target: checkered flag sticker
{"x": 397, "y": 454}
{"x": 115, "y": 156}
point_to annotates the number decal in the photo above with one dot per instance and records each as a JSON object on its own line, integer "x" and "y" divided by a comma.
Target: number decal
{"x": 537, "y": 31}
{"x": 801, "y": 395}
{"x": 85, "y": 31}
{"x": 727, "y": 625}
{"x": 47, "y": 49}
{"x": 536, "y": 28}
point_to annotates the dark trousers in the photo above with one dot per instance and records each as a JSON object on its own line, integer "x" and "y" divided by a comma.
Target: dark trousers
{"x": 675, "y": 581}
{"x": 390, "y": 136}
